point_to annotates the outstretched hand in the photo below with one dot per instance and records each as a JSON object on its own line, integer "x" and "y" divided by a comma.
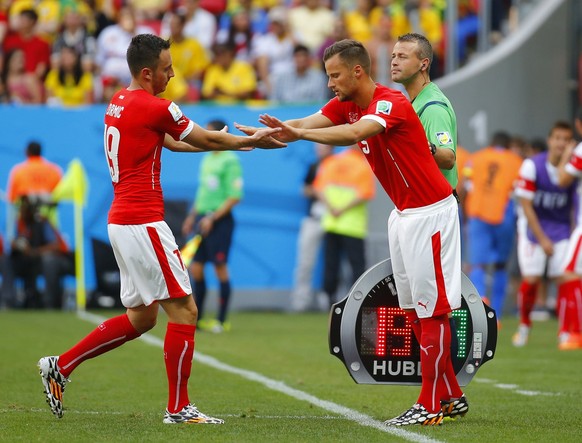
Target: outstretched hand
{"x": 267, "y": 138}
{"x": 287, "y": 134}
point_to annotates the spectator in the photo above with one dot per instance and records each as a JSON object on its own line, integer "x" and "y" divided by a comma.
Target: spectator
{"x": 302, "y": 84}
{"x": 491, "y": 174}
{"x": 39, "y": 249}
{"x": 189, "y": 60}
{"x": 228, "y": 79}
{"x": 344, "y": 184}
{"x": 18, "y": 86}
{"x": 257, "y": 12}
{"x": 34, "y": 177}
{"x": 359, "y": 20}
{"x": 110, "y": 57}
{"x": 339, "y": 32}
{"x": 311, "y": 23}
{"x": 426, "y": 19}
{"x": 309, "y": 238}
{"x": 75, "y": 35}
{"x": 36, "y": 51}
{"x": 200, "y": 24}
{"x": 220, "y": 189}
{"x": 380, "y": 47}
{"x": 239, "y": 34}
{"x": 67, "y": 84}
{"x": 397, "y": 13}
{"x": 273, "y": 51}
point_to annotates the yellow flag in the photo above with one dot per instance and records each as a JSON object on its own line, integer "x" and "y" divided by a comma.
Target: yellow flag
{"x": 74, "y": 185}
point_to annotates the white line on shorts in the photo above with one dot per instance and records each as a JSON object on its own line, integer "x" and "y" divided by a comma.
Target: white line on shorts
{"x": 279, "y": 386}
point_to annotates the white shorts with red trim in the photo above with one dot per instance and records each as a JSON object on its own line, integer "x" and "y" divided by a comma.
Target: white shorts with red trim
{"x": 149, "y": 262}
{"x": 573, "y": 258}
{"x": 533, "y": 260}
{"x": 425, "y": 250}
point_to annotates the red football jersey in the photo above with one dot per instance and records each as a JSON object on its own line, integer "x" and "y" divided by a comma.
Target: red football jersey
{"x": 135, "y": 125}
{"x": 400, "y": 156}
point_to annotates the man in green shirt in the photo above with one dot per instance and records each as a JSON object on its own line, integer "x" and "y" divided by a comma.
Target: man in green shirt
{"x": 411, "y": 59}
{"x": 220, "y": 188}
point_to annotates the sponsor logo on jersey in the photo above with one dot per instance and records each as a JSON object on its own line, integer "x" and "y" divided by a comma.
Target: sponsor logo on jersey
{"x": 444, "y": 138}
{"x": 175, "y": 111}
{"x": 383, "y": 107}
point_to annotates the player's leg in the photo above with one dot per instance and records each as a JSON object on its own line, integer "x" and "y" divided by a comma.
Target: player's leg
{"x": 178, "y": 354}
{"x": 308, "y": 246}
{"x": 331, "y": 265}
{"x": 504, "y": 240}
{"x": 219, "y": 245}
{"x": 197, "y": 273}
{"x": 532, "y": 262}
{"x": 569, "y": 306}
{"x": 479, "y": 235}
{"x": 127, "y": 242}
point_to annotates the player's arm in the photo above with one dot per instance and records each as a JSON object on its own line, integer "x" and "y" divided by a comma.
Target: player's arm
{"x": 180, "y": 146}
{"x": 565, "y": 178}
{"x": 436, "y": 120}
{"x": 534, "y": 225}
{"x": 445, "y": 157}
{"x": 317, "y": 120}
{"x": 223, "y": 141}
{"x": 340, "y": 135}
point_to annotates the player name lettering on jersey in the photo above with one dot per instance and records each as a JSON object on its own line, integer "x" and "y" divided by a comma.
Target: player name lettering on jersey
{"x": 392, "y": 367}
{"x": 551, "y": 200}
{"x": 114, "y": 110}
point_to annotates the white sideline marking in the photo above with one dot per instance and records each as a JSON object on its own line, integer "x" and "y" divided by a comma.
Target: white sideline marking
{"x": 279, "y": 386}
{"x": 515, "y": 388}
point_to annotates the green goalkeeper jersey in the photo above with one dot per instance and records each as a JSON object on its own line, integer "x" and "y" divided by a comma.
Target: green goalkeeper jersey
{"x": 220, "y": 178}
{"x": 440, "y": 123}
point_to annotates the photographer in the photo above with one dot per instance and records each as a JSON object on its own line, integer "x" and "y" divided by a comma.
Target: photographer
{"x": 39, "y": 249}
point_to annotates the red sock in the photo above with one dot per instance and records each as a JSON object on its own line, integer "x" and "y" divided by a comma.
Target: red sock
{"x": 435, "y": 349}
{"x": 566, "y": 295}
{"x": 178, "y": 353}
{"x": 574, "y": 308}
{"x": 107, "y": 336}
{"x": 526, "y": 301}
{"x": 412, "y": 318}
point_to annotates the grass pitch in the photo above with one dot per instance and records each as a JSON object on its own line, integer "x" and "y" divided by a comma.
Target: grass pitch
{"x": 272, "y": 379}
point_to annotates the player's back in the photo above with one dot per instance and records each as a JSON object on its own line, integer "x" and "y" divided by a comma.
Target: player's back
{"x": 133, "y": 147}
{"x": 493, "y": 172}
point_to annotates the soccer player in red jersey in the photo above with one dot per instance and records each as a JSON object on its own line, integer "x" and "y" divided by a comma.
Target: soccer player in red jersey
{"x": 423, "y": 229}
{"x": 137, "y": 125}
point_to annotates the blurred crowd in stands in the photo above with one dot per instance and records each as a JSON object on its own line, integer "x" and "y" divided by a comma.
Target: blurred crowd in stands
{"x": 72, "y": 52}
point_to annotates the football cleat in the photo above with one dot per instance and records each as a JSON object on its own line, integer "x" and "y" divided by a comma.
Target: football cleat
{"x": 455, "y": 408}
{"x": 569, "y": 341}
{"x": 520, "y": 338}
{"x": 417, "y": 415}
{"x": 191, "y": 415}
{"x": 54, "y": 383}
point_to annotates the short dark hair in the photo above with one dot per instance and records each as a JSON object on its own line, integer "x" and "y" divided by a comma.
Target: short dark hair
{"x": 301, "y": 48}
{"x": 351, "y": 52}
{"x": 501, "y": 138}
{"x": 561, "y": 124}
{"x": 424, "y": 47}
{"x": 216, "y": 124}
{"x": 538, "y": 145}
{"x": 144, "y": 52}
{"x": 31, "y": 14}
{"x": 33, "y": 149}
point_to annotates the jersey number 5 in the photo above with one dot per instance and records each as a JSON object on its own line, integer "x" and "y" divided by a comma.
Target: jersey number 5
{"x": 111, "y": 144}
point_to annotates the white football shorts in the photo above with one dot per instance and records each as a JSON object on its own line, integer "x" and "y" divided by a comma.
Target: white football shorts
{"x": 533, "y": 260}
{"x": 149, "y": 262}
{"x": 425, "y": 250}
{"x": 573, "y": 257}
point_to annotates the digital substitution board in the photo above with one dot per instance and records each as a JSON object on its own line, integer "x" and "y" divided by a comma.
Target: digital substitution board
{"x": 371, "y": 335}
